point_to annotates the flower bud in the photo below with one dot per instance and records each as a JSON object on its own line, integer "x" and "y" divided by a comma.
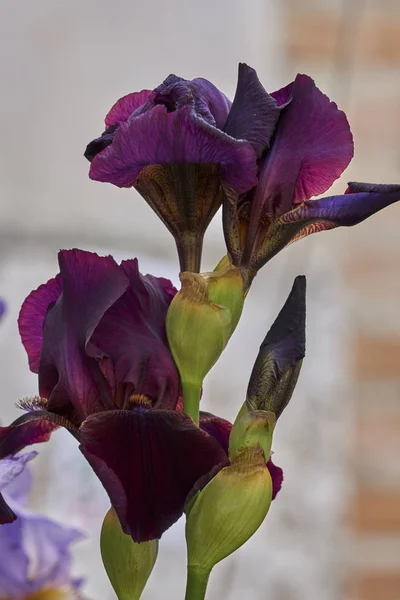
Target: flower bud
{"x": 128, "y": 564}
{"x": 252, "y": 427}
{"x": 200, "y": 321}
{"x": 229, "y": 510}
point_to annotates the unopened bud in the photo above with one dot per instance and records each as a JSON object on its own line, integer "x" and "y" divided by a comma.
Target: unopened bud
{"x": 229, "y": 510}
{"x": 128, "y": 564}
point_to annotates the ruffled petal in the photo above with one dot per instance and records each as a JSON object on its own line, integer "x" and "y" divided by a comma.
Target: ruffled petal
{"x": 11, "y": 467}
{"x": 148, "y": 461}
{"x": 132, "y": 334}
{"x": 360, "y": 201}
{"x": 279, "y": 360}
{"x": 179, "y": 137}
{"x": 254, "y": 112}
{"x": 14, "y": 564}
{"x": 68, "y": 377}
{"x": 125, "y": 106}
{"x": 31, "y": 319}
{"x": 312, "y": 147}
{"x": 208, "y": 102}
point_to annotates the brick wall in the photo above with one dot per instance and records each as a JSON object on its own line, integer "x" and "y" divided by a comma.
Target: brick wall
{"x": 353, "y": 50}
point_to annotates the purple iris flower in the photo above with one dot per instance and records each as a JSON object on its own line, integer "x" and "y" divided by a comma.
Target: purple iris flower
{"x": 179, "y": 146}
{"x": 95, "y": 334}
{"x": 308, "y": 148}
{"x": 35, "y": 559}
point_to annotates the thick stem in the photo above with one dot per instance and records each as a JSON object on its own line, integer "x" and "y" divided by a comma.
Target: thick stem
{"x": 191, "y": 399}
{"x": 190, "y": 247}
{"x": 196, "y": 585}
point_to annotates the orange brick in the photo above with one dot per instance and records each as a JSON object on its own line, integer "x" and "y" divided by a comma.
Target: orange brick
{"x": 378, "y": 585}
{"x": 375, "y": 511}
{"x": 376, "y": 357}
{"x": 315, "y": 35}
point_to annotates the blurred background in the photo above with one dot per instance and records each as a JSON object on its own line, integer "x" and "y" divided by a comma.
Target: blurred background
{"x": 334, "y": 531}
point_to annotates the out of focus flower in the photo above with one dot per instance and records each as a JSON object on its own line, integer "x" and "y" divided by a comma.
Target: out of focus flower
{"x": 179, "y": 145}
{"x": 309, "y": 147}
{"x": 35, "y": 560}
{"x": 95, "y": 334}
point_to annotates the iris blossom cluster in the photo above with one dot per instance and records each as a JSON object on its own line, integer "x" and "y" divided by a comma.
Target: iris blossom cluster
{"x": 121, "y": 357}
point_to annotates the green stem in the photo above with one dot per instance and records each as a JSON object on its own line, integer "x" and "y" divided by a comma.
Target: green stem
{"x": 191, "y": 399}
{"x": 196, "y": 585}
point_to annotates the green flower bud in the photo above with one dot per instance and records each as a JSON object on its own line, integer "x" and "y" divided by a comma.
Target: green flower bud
{"x": 200, "y": 321}
{"x": 252, "y": 427}
{"x": 128, "y": 564}
{"x": 228, "y": 511}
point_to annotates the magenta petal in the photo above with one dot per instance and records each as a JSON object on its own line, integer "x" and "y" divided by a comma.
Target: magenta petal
{"x": 148, "y": 461}
{"x": 254, "y": 112}
{"x": 360, "y": 201}
{"x": 312, "y": 147}
{"x": 276, "y": 476}
{"x": 125, "y": 106}
{"x": 32, "y": 316}
{"x": 67, "y": 375}
{"x": 179, "y": 137}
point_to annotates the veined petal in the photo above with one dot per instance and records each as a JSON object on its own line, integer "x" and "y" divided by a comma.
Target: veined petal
{"x": 148, "y": 461}
{"x": 254, "y": 113}
{"x": 312, "y": 147}
{"x": 220, "y": 429}
{"x": 360, "y": 201}
{"x": 132, "y": 334}
{"x": 179, "y": 137}
{"x": 68, "y": 377}
{"x": 125, "y": 106}
{"x": 31, "y": 319}
{"x": 11, "y": 467}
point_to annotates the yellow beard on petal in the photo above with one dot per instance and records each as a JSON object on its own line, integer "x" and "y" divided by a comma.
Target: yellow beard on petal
{"x": 64, "y": 593}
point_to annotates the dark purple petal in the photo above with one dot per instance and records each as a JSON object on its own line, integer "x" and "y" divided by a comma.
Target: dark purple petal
{"x": 219, "y": 428}
{"x": 254, "y": 112}
{"x": 99, "y": 144}
{"x": 132, "y": 334}
{"x": 284, "y": 95}
{"x": 360, "y": 201}
{"x": 148, "y": 461}
{"x": 31, "y": 319}
{"x": 278, "y": 363}
{"x": 208, "y": 102}
{"x": 312, "y": 147}
{"x": 68, "y": 377}
{"x": 276, "y": 476}
{"x": 180, "y": 137}
{"x": 125, "y": 106}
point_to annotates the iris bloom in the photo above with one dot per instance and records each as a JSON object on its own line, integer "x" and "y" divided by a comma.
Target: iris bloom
{"x": 95, "y": 334}
{"x": 309, "y": 147}
{"x": 179, "y": 145}
{"x": 35, "y": 561}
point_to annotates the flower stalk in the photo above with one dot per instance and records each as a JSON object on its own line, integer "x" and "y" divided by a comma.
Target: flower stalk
{"x": 196, "y": 584}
